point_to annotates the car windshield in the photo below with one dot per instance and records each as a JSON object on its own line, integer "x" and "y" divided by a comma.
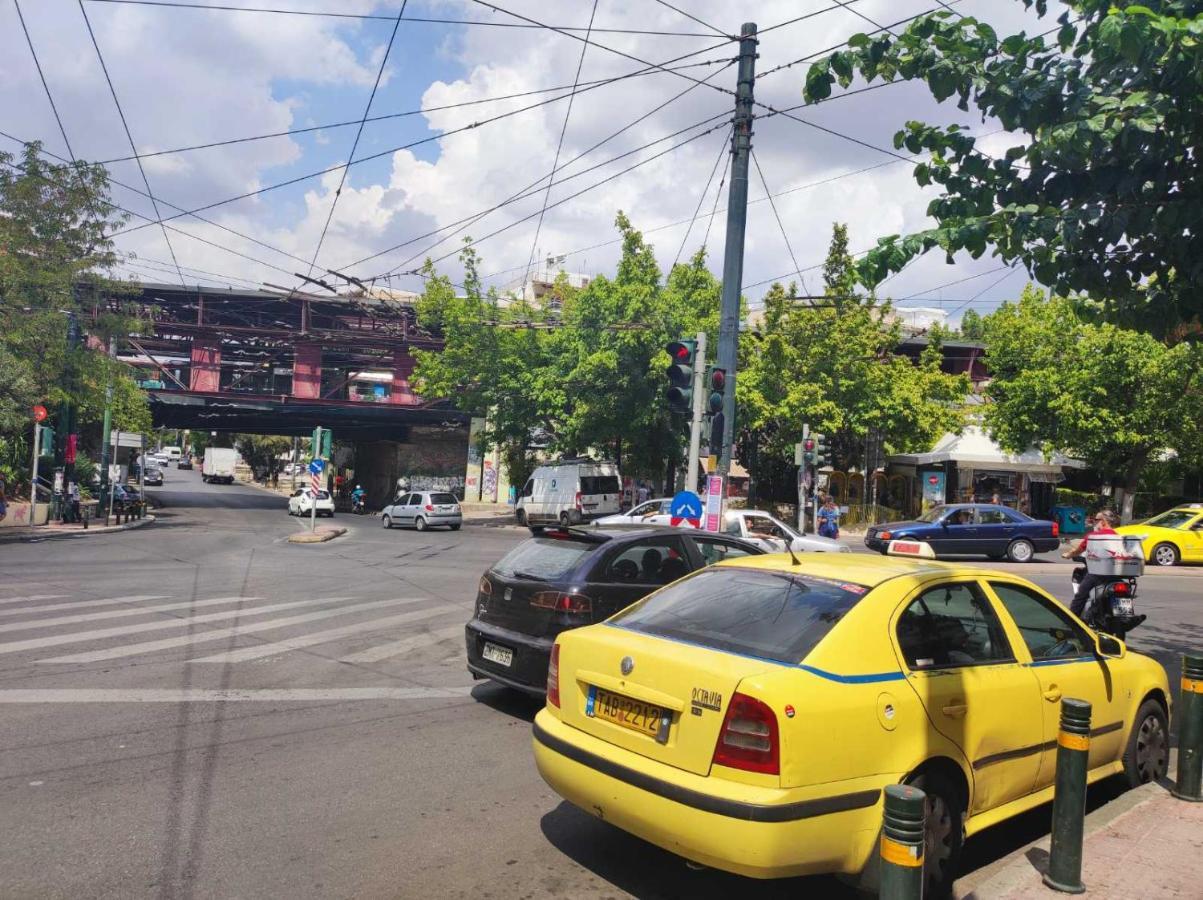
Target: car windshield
{"x": 544, "y": 558}
{"x": 443, "y": 498}
{"x": 769, "y": 615}
{"x": 1175, "y": 518}
{"x": 933, "y": 515}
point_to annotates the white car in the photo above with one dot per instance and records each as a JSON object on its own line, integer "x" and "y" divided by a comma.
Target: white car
{"x": 301, "y": 503}
{"x": 771, "y": 534}
{"x": 650, "y": 512}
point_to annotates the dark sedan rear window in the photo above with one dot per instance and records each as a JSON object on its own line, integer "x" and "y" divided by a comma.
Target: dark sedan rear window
{"x": 764, "y": 614}
{"x": 545, "y": 559}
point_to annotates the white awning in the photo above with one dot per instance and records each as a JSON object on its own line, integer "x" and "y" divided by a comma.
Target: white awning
{"x": 973, "y": 448}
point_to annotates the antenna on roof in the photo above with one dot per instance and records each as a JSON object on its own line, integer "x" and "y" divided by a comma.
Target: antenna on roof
{"x": 789, "y": 546}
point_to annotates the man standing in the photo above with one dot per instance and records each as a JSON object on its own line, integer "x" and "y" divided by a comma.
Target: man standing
{"x": 642, "y": 493}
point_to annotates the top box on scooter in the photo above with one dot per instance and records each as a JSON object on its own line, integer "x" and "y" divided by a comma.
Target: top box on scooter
{"x": 1119, "y": 555}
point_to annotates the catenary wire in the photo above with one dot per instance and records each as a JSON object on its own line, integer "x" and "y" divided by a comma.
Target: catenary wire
{"x": 692, "y": 17}
{"x": 802, "y": 18}
{"x": 784, "y": 234}
{"x": 722, "y": 151}
{"x": 714, "y": 209}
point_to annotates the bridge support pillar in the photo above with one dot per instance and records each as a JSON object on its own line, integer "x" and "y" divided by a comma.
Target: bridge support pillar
{"x": 403, "y": 370}
{"x": 307, "y": 371}
{"x": 205, "y": 372}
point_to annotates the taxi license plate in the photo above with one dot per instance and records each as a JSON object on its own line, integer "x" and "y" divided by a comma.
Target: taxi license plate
{"x": 503, "y": 656}
{"x": 627, "y": 712}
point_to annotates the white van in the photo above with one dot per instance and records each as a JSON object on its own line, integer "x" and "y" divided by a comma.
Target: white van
{"x": 173, "y": 454}
{"x": 569, "y": 492}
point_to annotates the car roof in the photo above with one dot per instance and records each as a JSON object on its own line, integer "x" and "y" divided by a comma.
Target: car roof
{"x": 860, "y": 568}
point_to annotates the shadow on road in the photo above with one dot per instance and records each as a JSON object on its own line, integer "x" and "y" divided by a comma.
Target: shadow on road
{"x": 506, "y": 700}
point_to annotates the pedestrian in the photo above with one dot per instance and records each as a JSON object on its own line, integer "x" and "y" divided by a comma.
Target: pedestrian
{"x": 829, "y": 518}
{"x": 4, "y": 498}
{"x": 642, "y": 493}
{"x": 1105, "y": 521}
{"x": 73, "y": 493}
{"x": 995, "y": 499}
{"x": 275, "y": 478}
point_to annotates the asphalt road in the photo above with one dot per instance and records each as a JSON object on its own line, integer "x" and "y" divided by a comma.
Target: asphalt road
{"x": 199, "y": 709}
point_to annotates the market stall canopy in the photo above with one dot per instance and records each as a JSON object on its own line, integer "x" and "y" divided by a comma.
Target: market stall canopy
{"x": 974, "y": 449}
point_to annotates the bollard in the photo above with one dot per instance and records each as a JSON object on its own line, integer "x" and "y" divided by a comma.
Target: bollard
{"x": 1190, "y": 732}
{"x": 902, "y": 843}
{"x": 1069, "y": 798}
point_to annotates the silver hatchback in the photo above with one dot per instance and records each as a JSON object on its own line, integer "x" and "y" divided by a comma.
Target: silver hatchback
{"x": 422, "y": 510}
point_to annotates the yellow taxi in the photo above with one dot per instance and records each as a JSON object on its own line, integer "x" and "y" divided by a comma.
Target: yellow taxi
{"x": 748, "y": 717}
{"x": 1174, "y": 536}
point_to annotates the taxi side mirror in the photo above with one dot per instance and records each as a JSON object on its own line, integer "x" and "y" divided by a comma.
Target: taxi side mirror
{"x": 1110, "y": 647}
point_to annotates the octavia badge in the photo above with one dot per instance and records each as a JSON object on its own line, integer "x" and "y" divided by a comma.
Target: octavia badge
{"x": 627, "y": 665}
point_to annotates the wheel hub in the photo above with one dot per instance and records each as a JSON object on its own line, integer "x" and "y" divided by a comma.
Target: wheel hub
{"x": 937, "y": 835}
{"x": 1152, "y": 757}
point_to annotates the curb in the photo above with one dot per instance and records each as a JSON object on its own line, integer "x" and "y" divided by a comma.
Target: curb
{"x": 47, "y": 533}
{"x": 320, "y": 536}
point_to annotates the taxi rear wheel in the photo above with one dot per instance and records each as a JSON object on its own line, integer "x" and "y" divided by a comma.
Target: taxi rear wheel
{"x": 944, "y": 832}
{"x": 1165, "y": 554}
{"x": 1147, "y": 756}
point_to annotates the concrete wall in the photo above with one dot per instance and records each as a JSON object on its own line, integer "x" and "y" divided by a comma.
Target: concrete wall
{"x": 18, "y": 515}
{"x": 432, "y": 459}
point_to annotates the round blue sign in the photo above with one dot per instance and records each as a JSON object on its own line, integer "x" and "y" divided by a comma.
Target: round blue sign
{"x": 316, "y": 466}
{"x": 686, "y": 505}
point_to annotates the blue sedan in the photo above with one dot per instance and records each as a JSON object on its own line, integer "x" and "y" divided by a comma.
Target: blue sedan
{"x": 964, "y": 529}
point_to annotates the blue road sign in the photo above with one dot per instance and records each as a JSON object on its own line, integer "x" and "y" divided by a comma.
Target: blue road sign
{"x": 686, "y": 505}
{"x": 378, "y": 391}
{"x": 316, "y": 466}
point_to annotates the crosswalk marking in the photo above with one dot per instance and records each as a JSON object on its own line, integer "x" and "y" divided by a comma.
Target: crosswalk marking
{"x": 405, "y": 645}
{"x": 123, "y": 630}
{"x": 199, "y": 695}
{"x": 80, "y": 618}
{"x": 78, "y": 604}
{"x": 216, "y": 634}
{"x": 31, "y": 598}
{"x": 320, "y": 637}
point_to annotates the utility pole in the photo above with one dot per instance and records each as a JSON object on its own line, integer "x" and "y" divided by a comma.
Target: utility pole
{"x": 33, "y": 476}
{"x": 695, "y": 428}
{"x": 68, "y": 440}
{"x": 737, "y": 220}
{"x": 106, "y": 432}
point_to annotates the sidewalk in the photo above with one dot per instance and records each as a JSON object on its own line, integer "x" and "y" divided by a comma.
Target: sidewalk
{"x": 1142, "y": 844}
{"x": 56, "y": 530}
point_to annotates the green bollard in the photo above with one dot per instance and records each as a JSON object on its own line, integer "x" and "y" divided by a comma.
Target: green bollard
{"x": 1190, "y": 732}
{"x": 1069, "y": 798}
{"x": 902, "y": 843}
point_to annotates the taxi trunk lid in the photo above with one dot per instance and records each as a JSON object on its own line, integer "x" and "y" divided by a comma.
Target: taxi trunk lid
{"x": 689, "y": 684}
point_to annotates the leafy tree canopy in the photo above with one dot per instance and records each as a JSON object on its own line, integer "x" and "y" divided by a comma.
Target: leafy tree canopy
{"x": 1102, "y": 193}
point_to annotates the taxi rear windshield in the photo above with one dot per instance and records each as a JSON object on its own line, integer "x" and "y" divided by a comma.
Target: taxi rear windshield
{"x": 769, "y": 615}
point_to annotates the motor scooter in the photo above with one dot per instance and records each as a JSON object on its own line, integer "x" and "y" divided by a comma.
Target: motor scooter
{"x": 359, "y": 506}
{"x": 1111, "y": 606}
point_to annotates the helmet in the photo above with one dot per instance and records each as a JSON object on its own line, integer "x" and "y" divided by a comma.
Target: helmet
{"x": 358, "y": 488}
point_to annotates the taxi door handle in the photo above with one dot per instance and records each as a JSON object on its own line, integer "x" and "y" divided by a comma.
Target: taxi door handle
{"x": 1053, "y": 694}
{"x": 955, "y": 710}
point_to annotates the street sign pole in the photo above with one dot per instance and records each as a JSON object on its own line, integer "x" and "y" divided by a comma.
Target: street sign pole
{"x": 737, "y": 220}
{"x": 800, "y": 460}
{"x": 695, "y": 428}
{"x": 33, "y": 476}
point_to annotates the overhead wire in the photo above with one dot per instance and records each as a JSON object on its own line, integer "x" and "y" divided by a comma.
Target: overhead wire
{"x": 784, "y": 234}
{"x": 802, "y": 18}
{"x": 722, "y": 151}
{"x": 691, "y": 17}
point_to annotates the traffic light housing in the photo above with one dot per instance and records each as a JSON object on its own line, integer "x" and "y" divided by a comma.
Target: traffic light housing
{"x": 716, "y": 383}
{"x": 321, "y": 443}
{"x": 46, "y": 447}
{"x": 680, "y": 375}
{"x": 808, "y": 451}
{"x": 822, "y": 450}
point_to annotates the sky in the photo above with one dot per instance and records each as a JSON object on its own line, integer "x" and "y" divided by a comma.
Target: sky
{"x": 186, "y": 76}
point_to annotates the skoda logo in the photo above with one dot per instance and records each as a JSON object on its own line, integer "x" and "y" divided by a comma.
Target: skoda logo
{"x": 627, "y": 665}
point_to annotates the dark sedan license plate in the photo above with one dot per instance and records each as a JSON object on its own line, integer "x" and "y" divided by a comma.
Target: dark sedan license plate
{"x": 629, "y": 713}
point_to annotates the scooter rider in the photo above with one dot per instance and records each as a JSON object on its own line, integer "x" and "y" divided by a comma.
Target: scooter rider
{"x": 1105, "y": 521}
{"x": 357, "y": 496}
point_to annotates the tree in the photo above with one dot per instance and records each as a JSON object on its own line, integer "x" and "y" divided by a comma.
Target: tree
{"x": 834, "y": 365}
{"x": 1117, "y": 398}
{"x": 971, "y": 326}
{"x": 1102, "y": 194}
{"x": 262, "y": 451}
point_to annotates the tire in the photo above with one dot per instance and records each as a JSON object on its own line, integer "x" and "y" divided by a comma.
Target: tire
{"x": 520, "y": 515}
{"x": 420, "y": 523}
{"x": 387, "y": 521}
{"x": 945, "y": 832}
{"x": 1165, "y": 554}
{"x": 1021, "y": 551}
{"x": 455, "y": 528}
{"x": 1147, "y": 756}
{"x": 564, "y": 520}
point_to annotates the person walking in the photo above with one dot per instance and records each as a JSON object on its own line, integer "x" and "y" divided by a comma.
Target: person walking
{"x": 829, "y": 518}
{"x": 1105, "y": 521}
{"x": 642, "y": 493}
{"x": 4, "y": 500}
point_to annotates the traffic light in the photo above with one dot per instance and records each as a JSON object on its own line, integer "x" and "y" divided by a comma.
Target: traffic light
{"x": 46, "y": 447}
{"x": 320, "y": 444}
{"x": 716, "y": 381}
{"x": 822, "y": 450}
{"x": 808, "y": 451}
{"x": 680, "y": 375}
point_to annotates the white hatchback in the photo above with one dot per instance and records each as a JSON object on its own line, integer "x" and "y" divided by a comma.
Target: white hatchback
{"x": 301, "y": 503}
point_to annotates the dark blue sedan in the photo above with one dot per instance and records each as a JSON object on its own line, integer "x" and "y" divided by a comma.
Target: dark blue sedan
{"x": 968, "y": 529}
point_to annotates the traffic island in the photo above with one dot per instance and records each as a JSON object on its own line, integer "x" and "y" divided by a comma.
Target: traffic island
{"x": 320, "y": 536}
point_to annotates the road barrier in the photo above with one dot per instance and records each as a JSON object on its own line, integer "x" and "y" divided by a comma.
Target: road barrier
{"x": 1069, "y": 798}
{"x": 1190, "y": 731}
{"x": 902, "y": 843}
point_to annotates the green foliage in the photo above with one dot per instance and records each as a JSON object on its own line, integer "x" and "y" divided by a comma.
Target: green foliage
{"x": 1100, "y": 195}
{"x": 1108, "y": 395}
{"x": 972, "y": 328}
{"x": 262, "y": 451}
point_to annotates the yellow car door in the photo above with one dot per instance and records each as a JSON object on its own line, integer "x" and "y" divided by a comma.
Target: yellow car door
{"x": 960, "y": 663}
{"x": 1065, "y": 664}
{"x": 1192, "y": 542}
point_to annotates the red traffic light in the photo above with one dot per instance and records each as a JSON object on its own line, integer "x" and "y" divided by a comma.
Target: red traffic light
{"x": 718, "y": 379}
{"x": 682, "y": 351}
{"x": 808, "y": 445}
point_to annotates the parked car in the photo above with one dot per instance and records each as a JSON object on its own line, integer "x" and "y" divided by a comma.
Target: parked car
{"x": 301, "y": 503}
{"x": 1174, "y": 536}
{"x": 422, "y": 510}
{"x": 569, "y": 492}
{"x": 749, "y": 717}
{"x": 568, "y": 577}
{"x": 969, "y": 529}
{"x": 650, "y": 512}
{"x": 153, "y": 477}
{"x": 771, "y": 534}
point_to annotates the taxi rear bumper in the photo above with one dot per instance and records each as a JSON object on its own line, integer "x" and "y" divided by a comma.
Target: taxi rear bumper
{"x": 830, "y": 828}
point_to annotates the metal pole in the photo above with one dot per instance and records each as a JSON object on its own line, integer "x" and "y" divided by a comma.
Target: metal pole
{"x": 801, "y": 459}
{"x": 33, "y": 478}
{"x": 294, "y": 464}
{"x": 737, "y": 220}
{"x": 106, "y": 431}
{"x": 695, "y": 428}
{"x": 1190, "y": 731}
{"x": 902, "y": 842}
{"x": 1069, "y": 799}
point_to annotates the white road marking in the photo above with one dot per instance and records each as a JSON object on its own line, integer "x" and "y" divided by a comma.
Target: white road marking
{"x": 80, "y": 604}
{"x": 119, "y": 613}
{"x": 198, "y": 695}
{"x": 405, "y": 645}
{"x": 124, "y": 630}
{"x": 31, "y": 598}
{"x": 320, "y": 637}
{"x": 216, "y": 634}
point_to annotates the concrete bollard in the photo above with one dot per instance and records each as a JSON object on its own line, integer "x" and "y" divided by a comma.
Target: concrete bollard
{"x": 1190, "y": 731}
{"x": 1069, "y": 798}
{"x": 902, "y": 836}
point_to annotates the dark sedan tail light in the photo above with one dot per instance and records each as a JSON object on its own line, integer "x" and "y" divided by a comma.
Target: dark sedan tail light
{"x": 573, "y": 603}
{"x": 1056, "y": 530}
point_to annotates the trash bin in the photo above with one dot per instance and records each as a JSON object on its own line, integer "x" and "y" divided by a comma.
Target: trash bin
{"x": 1070, "y": 519}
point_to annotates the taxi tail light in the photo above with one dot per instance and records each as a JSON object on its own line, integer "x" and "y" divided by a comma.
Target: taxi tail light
{"x": 553, "y": 677}
{"x": 554, "y": 600}
{"x": 749, "y": 739}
